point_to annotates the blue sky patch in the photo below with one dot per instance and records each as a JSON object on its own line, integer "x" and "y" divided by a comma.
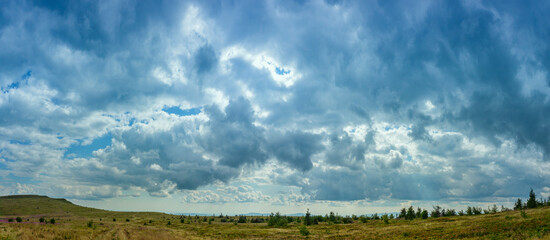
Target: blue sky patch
{"x": 85, "y": 151}
{"x": 181, "y": 112}
{"x": 21, "y": 142}
{"x": 281, "y": 71}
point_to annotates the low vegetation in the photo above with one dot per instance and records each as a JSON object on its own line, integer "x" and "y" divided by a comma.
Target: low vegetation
{"x": 32, "y": 217}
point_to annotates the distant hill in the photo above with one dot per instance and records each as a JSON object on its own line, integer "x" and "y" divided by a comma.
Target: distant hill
{"x": 41, "y": 205}
{"x": 35, "y": 205}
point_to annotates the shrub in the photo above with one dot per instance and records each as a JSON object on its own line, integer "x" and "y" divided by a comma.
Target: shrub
{"x": 242, "y": 219}
{"x": 276, "y": 220}
{"x": 114, "y": 219}
{"x": 19, "y": 219}
{"x": 182, "y": 220}
{"x": 42, "y": 219}
{"x": 223, "y": 220}
{"x": 523, "y": 214}
{"x": 127, "y": 220}
{"x": 10, "y": 220}
{"x": 303, "y": 230}
{"x": 52, "y": 221}
{"x": 385, "y": 218}
{"x": 347, "y": 220}
{"x": 90, "y": 224}
{"x": 257, "y": 220}
{"x": 169, "y": 223}
{"x": 363, "y": 219}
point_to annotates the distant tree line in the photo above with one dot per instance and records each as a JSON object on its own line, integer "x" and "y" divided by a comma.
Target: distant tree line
{"x": 532, "y": 202}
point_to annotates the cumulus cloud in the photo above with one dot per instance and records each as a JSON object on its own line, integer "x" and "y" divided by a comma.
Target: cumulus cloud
{"x": 349, "y": 100}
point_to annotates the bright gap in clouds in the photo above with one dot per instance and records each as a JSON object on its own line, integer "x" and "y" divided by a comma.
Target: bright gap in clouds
{"x": 351, "y": 107}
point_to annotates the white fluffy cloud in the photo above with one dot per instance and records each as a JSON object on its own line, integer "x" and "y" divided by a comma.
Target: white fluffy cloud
{"x": 340, "y": 101}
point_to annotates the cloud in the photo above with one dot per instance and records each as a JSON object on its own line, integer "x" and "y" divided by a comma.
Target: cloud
{"x": 341, "y": 100}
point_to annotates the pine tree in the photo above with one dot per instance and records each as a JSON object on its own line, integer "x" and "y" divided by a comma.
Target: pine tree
{"x": 518, "y": 205}
{"x": 307, "y": 220}
{"x": 410, "y": 213}
{"x": 532, "y": 201}
{"x": 403, "y": 213}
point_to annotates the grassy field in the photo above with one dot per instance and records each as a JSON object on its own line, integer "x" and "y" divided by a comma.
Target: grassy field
{"x": 76, "y": 222}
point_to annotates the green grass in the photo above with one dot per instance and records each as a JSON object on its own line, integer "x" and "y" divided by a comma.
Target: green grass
{"x": 76, "y": 222}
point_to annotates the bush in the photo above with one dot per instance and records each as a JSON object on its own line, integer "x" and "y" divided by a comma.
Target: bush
{"x": 276, "y": 220}
{"x": 303, "y": 230}
{"x": 182, "y": 220}
{"x": 127, "y": 220}
{"x": 42, "y": 219}
{"x": 90, "y": 224}
{"x": 523, "y": 214}
{"x": 169, "y": 223}
{"x": 114, "y": 219}
{"x": 385, "y": 218}
{"x": 52, "y": 221}
{"x": 10, "y": 220}
{"x": 257, "y": 220}
{"x": 19, "y": 219}
{"x": 242, "y": 219}
{"x": 363, "y": 219}
{"x": 347, "y": 220}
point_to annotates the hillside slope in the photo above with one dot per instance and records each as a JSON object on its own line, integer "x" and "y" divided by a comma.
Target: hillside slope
{"x": 76, "y": 222}
{"x": 36, "y": 205}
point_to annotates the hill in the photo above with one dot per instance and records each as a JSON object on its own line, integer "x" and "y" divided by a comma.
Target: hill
{"x": 77, "y": 222}
{"x": 36, "y": 205}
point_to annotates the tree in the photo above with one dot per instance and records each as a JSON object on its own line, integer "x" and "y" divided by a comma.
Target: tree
{"x": 403, "y": 213}
{"x": 532, "y": 201}
{"x": 469, "y": 211}
{"x": 424, "y": 214}
{"x": 19, "y": 219}
{"x": 436, "y": 212}
{"x": 52, "y": 221}
{"x": 307, "y": 220}
{"x": 518, "y": 205}
{"x": 410, "y": 214}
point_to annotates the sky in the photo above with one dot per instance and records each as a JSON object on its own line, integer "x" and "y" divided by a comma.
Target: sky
{"x": 262, "y": 106}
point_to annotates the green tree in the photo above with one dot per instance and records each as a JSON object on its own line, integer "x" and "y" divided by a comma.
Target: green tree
{"x": 532, "y": 201}
{"x": 418, "y": 213}
{"x": 307, "y": 220}
{"x": 410, "y": 213}
{"x": 436, "y": 212}
{"x": 424, "y": 214}
{"x": 18, "y": 219}
{"x": 470, "y": 212}
{"x": 403, "y": 213}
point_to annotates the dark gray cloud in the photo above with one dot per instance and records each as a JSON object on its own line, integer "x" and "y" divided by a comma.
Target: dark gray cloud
{"x": 357, "y": 100}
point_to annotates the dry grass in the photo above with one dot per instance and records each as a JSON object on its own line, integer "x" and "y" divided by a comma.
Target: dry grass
{"x": 75, "y": 222}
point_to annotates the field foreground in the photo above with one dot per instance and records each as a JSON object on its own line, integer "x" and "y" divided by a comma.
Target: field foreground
{"x": 76, "y": 222}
